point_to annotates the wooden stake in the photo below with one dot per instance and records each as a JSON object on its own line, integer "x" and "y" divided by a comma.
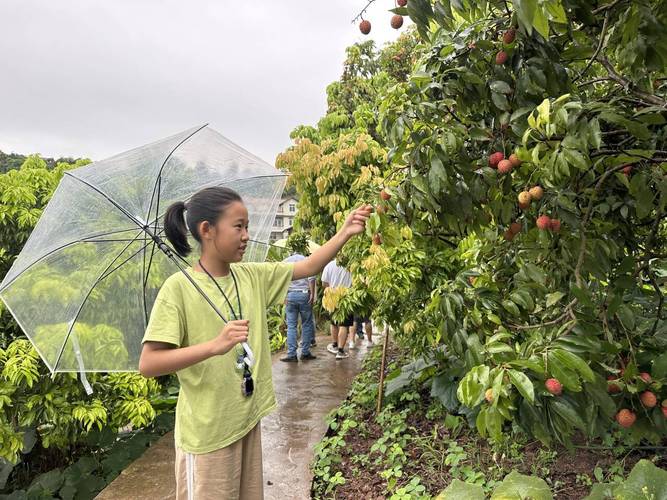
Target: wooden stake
{"x": 382, "y": 366}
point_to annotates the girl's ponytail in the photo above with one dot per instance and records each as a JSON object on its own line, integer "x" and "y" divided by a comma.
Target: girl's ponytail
{"x": 175, "y": 228}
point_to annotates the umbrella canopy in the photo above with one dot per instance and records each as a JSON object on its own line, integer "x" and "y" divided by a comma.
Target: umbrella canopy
{"x": 84, "y": 284}
{"x": 312, "y": 246}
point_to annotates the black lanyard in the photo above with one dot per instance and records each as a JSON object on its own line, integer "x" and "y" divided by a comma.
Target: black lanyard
{"x": 236, "y": 288}
{"x": 247, "y": 383}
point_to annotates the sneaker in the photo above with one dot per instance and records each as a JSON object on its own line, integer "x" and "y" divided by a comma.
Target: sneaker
{"x": 305, "y": 357}
{"x": 369, "y": 344}
{"x": 351, "y": 344}
{"x": 313, "y": 343}
{"x": 333, "y": 349}
{"x": 342, "y": 355}
{"x": 289, "y": 359}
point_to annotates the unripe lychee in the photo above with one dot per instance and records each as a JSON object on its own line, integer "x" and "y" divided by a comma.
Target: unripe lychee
{"x": 626, "y": 418}
{"x": 613, "y": 388}
{"x": 524, "y": 197}
{"x": 648, "y": 399}
{"x": 554, "y": 386}
{"x": 515, "y": 227}
{"x": 554, "y": 225}
{"x": 495, "y": 158}
{"x": 384, "y": 195}
{"x": 501, "y": 57}
{"x": 536, "y": 192}
{"x": 488, "y": 395}
{"x": 396, "y": 21}
{"x": 645, "y": 377}
{"x": 508, "y": 36}
{"x": 504, "y": 166}
{"x": 516, "y": 162}
{"x": 365, "y": 27}
{"x": 543, "y": 222}
{"x": 402, "y": 3}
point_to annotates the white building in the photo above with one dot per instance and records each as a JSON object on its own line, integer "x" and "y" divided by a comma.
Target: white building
{"x": 282, "y": 225}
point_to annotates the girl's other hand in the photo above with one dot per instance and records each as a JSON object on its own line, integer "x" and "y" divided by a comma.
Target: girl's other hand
{"x": 234, "y": 332}
{"x": 356, "y": 220}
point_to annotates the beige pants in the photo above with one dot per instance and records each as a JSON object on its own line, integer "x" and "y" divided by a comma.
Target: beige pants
{"x": 231, "y": 473}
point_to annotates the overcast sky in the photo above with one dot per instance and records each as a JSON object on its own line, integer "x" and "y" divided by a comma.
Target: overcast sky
{"x": 94, "y": 78}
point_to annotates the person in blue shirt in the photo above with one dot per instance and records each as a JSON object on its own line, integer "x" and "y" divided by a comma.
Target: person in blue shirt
{"x": 299, "y": 302}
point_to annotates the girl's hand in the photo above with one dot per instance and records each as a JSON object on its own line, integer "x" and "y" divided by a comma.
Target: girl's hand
{"x": 234, "y": 332}
{"x": 356, "y": 220}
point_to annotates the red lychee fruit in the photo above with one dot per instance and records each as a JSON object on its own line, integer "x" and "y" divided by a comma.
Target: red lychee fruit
{"x": 396, "y": 21}
{"x": 648, "y": 399}
{"x": 495, "y": 158}
{"x": 501, "y": 57}
{"x": 626, "y": 418}
{"x": 554, "y": 386}
{"x": 504, "y": 166}
{"x": 365, "y": 27}
{"x": 543, "y": 222}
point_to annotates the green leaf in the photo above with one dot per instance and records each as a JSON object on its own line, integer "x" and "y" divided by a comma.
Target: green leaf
{"x": 525, "y": 10}
{"x": 574, "y": 362}
{"x": 626, "y": 316}
{"x": 517, "y": 486}
{"x": 500, "y": 101}
{"x": 535, "y": 273}
{"x": 565, "y": 410}
{"x": 500, "y": 87}
{"x": 553, "y": 298}
{"x": 511, "y": 307}
{"x": 523, "y": 384}
{"x": 645, "y": 481}
{"x": 541, "y": 22}
{"x": 458, "y": 490}
{"x": 659, "y": 369}
{"x": 445, "y": 390}
{"x": 494, "y": 423}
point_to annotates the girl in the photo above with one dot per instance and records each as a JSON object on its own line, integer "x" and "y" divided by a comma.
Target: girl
{"x": 221, "y": 401}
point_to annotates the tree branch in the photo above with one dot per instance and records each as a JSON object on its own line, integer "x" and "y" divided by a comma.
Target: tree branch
{"x": 567, "y": 312}
{"x": 361, "y": 14}
{"x": 597, "y": 51}
{"x": 606, "y": 7}
{"x": 630, "y": 86}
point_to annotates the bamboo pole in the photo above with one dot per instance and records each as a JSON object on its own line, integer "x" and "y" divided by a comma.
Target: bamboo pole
{"x": 382, "y": 366}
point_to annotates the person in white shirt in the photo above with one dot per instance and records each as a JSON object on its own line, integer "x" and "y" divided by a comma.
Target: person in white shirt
{"x": 335, "y": 276}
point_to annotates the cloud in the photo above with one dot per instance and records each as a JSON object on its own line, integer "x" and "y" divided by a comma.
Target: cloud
{"x": 94, "y": 78}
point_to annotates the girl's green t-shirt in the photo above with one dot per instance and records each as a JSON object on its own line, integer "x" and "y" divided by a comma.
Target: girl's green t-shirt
{"x": 212, "y": 412}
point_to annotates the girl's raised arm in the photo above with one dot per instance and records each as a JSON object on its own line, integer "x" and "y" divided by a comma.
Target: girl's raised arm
{"x": 313, "y": 265}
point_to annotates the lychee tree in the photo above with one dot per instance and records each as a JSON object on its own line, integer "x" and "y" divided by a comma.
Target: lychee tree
{"x": 531, "y": 141}
{"x": 522, "y": 250}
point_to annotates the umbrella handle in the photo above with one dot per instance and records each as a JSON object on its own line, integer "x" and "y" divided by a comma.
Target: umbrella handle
{"x": 249, "y": 358}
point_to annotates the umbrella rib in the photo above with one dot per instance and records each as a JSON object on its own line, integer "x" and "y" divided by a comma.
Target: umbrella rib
{"x": 70, "y": 243}
{"x": 83, "y": 302}
{"x": 159, "y": 174}
{"x": 111, "y": 200}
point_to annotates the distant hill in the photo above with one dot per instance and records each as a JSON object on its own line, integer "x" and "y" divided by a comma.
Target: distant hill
{"x": 14, "y": 161}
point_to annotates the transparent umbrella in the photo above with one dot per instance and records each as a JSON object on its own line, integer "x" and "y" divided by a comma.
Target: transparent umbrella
{"x": 83, "y": 286}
